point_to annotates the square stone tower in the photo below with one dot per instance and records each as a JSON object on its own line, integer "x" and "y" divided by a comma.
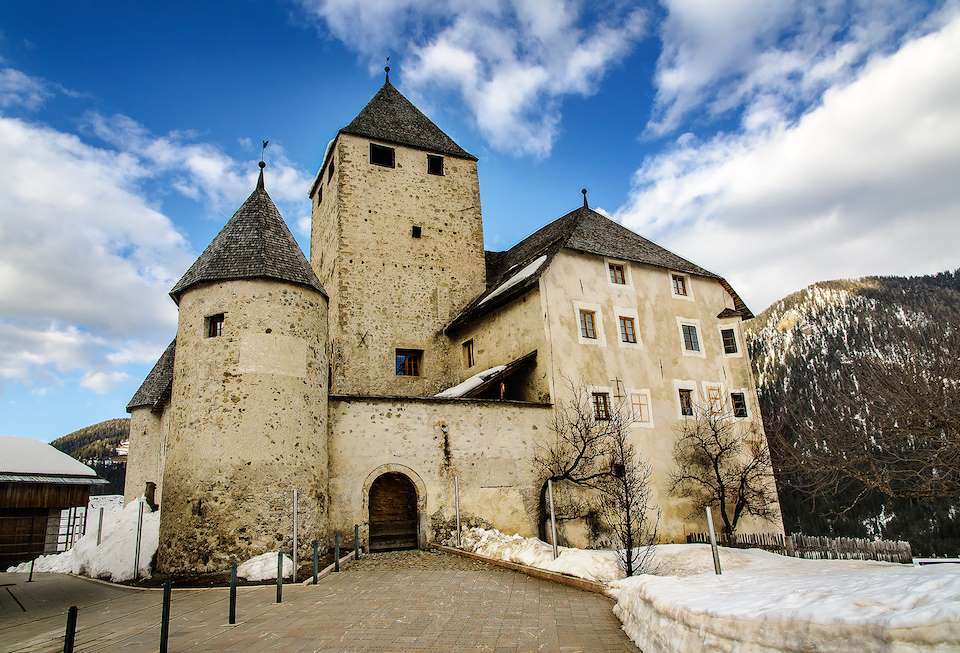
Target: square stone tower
{"x": 397, "y": 241}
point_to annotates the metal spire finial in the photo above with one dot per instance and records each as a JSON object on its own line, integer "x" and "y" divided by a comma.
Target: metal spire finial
{"x": 584, "y": 191}
{"x": 262, "y": 164}
{"x": 386, "y": 69}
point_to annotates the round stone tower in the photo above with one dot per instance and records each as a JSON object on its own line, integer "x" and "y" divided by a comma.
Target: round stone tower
{"x": 249, "y": 398}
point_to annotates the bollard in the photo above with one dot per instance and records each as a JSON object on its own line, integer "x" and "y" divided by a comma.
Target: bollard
{"x": 71, "y": 631}
{"x": 279, "y": 576}
{"x": 165, "y": 617}
{"x": 336, "y": 551}
{"x": 316, "y": 560}
{"x": 136, "y": 559}
{"x": 356, "y": 541}
{"x": 456, "y": 503}
{"x": 713, "y": 542}
{"x": 553, "y": 518}
{"x": 295, "y": 519}
{"x": 233, "y": 593}
{"x": 100, "y": 526}
{"x": 30, "y": 579}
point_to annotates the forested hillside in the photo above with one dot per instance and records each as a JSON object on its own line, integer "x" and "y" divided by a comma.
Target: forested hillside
{"x": 859, "y": 383}
{"x": 97, "y": 446}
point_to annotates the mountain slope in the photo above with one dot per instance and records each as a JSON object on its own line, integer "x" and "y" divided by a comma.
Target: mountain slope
{"x": 813, "y": 353}
{"x": 97, "y": 446}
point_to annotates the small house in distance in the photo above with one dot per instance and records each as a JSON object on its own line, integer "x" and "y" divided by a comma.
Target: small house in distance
{"x": 37, "y": 482}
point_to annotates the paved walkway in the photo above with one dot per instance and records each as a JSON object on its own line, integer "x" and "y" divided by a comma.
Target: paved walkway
{"x": 416, "y": 601}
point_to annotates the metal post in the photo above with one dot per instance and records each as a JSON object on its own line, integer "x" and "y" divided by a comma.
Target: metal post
{"x": 713, "y": 542}
{"x": 336, "y": 551}
{"x": 100, "y": 526}
{"x": 83, "y": 531}
{"x": 316, "y": 560}
{"x": 70, "y": 634}
{"x": 456, "y": 501}
{"x": 553, "y": 519}
{"x": 279, "y": 576}
{"x": 165, "y": 617}
{"x": 233, "y": 593}
{"x": 68, "y": 542}
{"x": 30, "y": 579}
{"x": 356, "y": 541}
{"x": 136, "y": 559}
{"x": 295, "y": 506}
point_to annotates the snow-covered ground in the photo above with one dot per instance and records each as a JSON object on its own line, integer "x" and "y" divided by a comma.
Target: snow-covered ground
{"x": 264, "y": 567}
{"x": 763, "y": 602}
{"x": 114, "y": 558}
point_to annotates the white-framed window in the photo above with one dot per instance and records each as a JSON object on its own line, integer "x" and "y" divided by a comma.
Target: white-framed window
{"x": 713, "y": 397}
{"x": 691, "y": 342}
{"x": 628, "y": 327}
{"x": 730, "y": 340}
{"x": 641, "y": 408}
{"x": 618, "y": 273}
{"x": 738, "y": 403}
{"x": 589, "y": 323}
{"x": 685, "y": 393}
{"x": 680, "y": 286}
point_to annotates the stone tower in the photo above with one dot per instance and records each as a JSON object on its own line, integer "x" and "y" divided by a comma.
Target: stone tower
{"x": 397, "y": 240}
{"x": 249, "y": 403}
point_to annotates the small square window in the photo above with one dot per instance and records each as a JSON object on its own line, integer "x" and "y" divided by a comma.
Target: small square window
{"x": 691, "y": 342}
{"x": 640, "y": 403}
{"x": 729, "y": 337}
{"x": 408, "y": 362}
{"x": 434, "y": 164}
{"x": 468, "y": 359}
{"x": 618, "y": 275}
{"x": 686, "y": 402}
{"x": 739, "y": 401}
{"x": 628, "y": 331}
{"x": 330, "y": 170}
{"x": 601, "y": 405}
{"x": 215, "y": 326}
{"x": 588, "y": 324}
{"x": 679, "y": 284}
{"x": 381, "y": 155}
{"x": 416, "y": 232}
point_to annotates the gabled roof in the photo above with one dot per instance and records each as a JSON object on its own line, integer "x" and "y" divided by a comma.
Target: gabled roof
{"x": 155, "y": 389}
{"x": 26, "y": 457}
{"x": 583, "y": 230}
{"x": 255, "y": 243}
{"x": 391, "y": 117}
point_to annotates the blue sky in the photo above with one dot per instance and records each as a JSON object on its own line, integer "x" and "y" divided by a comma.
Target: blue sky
{"x": 775, "y": 143}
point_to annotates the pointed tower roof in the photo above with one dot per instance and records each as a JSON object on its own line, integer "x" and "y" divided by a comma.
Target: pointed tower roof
{"x": 255, "y": 243}
{"x": 155, "y": 389}
{"x": 391, "y": 117}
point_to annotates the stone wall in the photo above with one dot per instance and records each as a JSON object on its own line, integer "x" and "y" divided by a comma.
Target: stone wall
{"x": 389, "y": 289}
{"x": 148, "y": 431}
{"x": 489, "y": 445}
{"x": 248, "y": 425}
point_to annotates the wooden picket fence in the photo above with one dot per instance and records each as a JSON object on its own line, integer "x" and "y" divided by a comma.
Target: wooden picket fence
{"x": 814, "y": 547}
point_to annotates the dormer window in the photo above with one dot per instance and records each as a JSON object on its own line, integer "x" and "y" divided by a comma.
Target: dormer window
{"x": 215, "y": 326}
{"x": 381, "y": 155}
{"x": 434, "y": 164}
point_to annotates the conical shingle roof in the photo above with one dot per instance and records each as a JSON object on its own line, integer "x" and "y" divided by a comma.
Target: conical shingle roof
{"x": 255, "y": 243}
{"x": 155, "y": 389}
{"x": 391, "y": 117}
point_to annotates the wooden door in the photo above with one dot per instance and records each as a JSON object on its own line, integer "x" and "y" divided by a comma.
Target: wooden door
{"x": 393, "y": 513}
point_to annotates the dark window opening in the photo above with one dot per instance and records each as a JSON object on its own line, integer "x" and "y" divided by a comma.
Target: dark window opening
{"x": 434, "y": 164}
{"x": 601, "y": 405}
{"x": 686, "y": 402}
{"x": 588, "y": 325}
{"x": 408, "y": 362}
{"x": 739, "y": 401}
{"x": 617, "y": 274}
{"x": 729, "y": 341}
{"x": 628, "y": 332}
{"x": 319, "y": 195}
{"x": 381, "y": 155}
{"x": 330, "y": 171}
{"x": 215, "y": 326}
{"x": 679, "y": 285}
{"x": 468, "y": 358}
{"x": 416, "y": 232}
{"x": 690, "y": 340}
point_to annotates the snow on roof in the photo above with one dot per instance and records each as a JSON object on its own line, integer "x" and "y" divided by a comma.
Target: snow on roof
{"x": 528, "y": 270}
{"x": 463, "y": 388}
{"x": 28, "y": 456}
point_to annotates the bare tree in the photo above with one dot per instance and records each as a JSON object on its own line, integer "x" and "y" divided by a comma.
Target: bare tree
{"x": 627, "y": 504}
{"x": 724, "y": 463}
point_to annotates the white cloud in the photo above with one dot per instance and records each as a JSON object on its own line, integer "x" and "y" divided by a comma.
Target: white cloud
{"x": 511, "y": 62}
{"x": 865, "y": 182}
{"x": 103, "y": 382}
{"x": 17, "y": 89}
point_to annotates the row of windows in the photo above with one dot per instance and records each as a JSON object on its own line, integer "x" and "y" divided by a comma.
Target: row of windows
{"x": 385, "y": 156}
{"x": 627, "y": 331}
{"x": 679, "y": 283}
{"x": 641, "y": 412}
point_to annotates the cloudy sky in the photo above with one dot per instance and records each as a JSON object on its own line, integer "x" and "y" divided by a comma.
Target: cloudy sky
{"x": 775, "y": 143}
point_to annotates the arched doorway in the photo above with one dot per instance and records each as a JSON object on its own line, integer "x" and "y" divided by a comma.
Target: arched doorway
{"x": 393, "y": 513}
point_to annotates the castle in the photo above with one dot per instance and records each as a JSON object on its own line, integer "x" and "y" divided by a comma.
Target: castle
{"x": 403, "y": 356}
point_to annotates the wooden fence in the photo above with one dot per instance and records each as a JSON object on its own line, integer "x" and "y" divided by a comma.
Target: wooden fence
{"x": 814, "y": 547}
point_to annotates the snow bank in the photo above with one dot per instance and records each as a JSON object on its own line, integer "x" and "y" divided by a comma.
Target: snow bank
{"x": 766, "y": 602}
{"x": 114, "y": 558}
{"x": 264, "y": 567}
{"x": 589, "y": 564}
{"x": 525, "y": 272}
{"x": 474, "y": 381}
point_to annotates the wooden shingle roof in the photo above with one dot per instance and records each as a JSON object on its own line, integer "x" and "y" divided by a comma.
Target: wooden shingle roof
{"x": 155, "y": 389}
